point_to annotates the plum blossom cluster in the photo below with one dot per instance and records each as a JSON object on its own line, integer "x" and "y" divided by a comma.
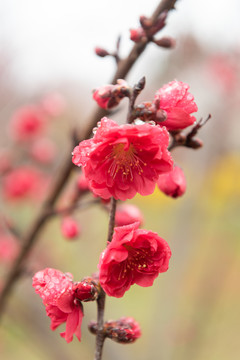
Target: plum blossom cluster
{"x": 118, "y": 162}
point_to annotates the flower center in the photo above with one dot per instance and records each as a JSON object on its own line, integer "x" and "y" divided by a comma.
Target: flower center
{"x": 138, "y": 260}
{"x": 125, "y": 161}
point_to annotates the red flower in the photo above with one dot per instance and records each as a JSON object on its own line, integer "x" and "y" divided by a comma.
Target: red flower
{"x": 57, "y": 291}
{"x": 173, "y": 183}
{"x": 122, "y": 160}
{"x": 178, "y": 103}
{"x": 22, "y": 182}
{"x": 134, "y": 256}
{"x": 127, "y": 214}
{"x": 27, "y": 123}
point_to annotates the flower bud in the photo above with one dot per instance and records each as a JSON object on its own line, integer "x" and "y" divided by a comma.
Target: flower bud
{"x": 173, "y": 183}
{"x": 137, "y": 35}
{"x": 125, "y": 330}
{"x": 86, "y": 290}
{"x": 101, "y": 52}
{"x": 166, "y": 42}
{"x": 127, "y": 214}
{"x": 70, "y": 228}
{"x": 109, "y": 96}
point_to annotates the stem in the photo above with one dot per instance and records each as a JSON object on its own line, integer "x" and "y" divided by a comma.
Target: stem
{"x": 102, "y": 296}
{"x": 124, "y": 66}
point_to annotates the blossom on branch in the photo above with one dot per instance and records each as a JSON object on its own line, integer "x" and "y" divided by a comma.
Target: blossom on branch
{"x": 122, "y": 160}
{"x": 57, "y": 292}
{"x": 173, "y": 183}
{"x": 178, "y": 103}
{"x": 134, "y": 256}
{"x": 109, "y": 96}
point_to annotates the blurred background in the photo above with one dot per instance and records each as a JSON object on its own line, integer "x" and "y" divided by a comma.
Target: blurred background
{"x": 47, "y": 59}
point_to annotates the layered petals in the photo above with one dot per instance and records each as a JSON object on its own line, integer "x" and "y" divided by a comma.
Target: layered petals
{"x": 121, "y": 161}
{"x": 178, "y": 103}
{"x": 134, "y": 256}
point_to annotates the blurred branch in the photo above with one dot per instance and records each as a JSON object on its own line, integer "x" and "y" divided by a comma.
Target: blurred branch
{"x": 30, "y": 238}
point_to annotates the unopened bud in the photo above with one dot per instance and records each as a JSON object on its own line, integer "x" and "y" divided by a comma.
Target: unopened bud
{"x": 161, "y": 115}
{"x": 125, "y": 330}
{"x": 137, "y": 35}
{"x": 86, "y": 290}
{"x": 145, "y": 22}
{"x": 70, "y": 228}
{"x": 166, "y": 42}
{"x": 101, "y": 52}
{"x": 194, "y": 143}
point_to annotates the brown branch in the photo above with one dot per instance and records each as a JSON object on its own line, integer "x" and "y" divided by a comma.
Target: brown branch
{"x": 124, "y": 66}
{"x": 100, "y": 338}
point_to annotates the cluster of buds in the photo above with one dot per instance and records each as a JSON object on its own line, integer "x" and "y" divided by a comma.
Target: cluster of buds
{"x": 125, "y": 330}
{"x": 148, "y": 29}
{"x": 110, "y": 96}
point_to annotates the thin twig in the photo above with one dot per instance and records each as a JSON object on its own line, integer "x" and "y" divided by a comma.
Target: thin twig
{"x": 102, "y": 296}
{"x": 124, "y": 66}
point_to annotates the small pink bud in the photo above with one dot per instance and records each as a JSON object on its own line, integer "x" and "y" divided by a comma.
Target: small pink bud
{"x": 173, "y": 183}
{"x": 70, "y": 228}
{"x": 85, "y": 290}
{"x": 166, "y": 42}
{"x": 137, "y": 35}
{"x": 127, "y": 214}
{"x": 101, "y": 52}
{"x": 109, "y": 96}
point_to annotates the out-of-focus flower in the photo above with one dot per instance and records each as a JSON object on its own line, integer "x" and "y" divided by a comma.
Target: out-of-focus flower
{"x": 53, "y": 104}
{"x": 9, "y": 248}
{"x": 127, "y": 214}
{"x": 173, "y": 183}
{"x": 70, "y": 228}
{"x": 134, "y": 256}
{"x": 121, "y": 161}
{"x": 57, "y": 292}
{"x": 43, "y": 150}
{"x": 82, "y": 182}
{"x": 22, "y": 182}
{"x": 27, "y": 123}
{"x": 178, "y": 103}
{"x": 109, "y": 96}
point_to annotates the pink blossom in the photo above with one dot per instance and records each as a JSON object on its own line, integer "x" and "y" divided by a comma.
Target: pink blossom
{"x": 122, "y": 160}
{"x": 173, "y": 183}
{"x": 27, "y": 123}
{"x": 70, "y": 228}
{"x": 178, "y": 103}
{"x": 9, "y": 248}
{"x": 127, "y": 214}
{"x": 57, "y": 292}
{"x": 22, "y": 182}
{"x": 54, "y": 104}
{"x": 134, "y": 256}
{"x": 43, "y": 150}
